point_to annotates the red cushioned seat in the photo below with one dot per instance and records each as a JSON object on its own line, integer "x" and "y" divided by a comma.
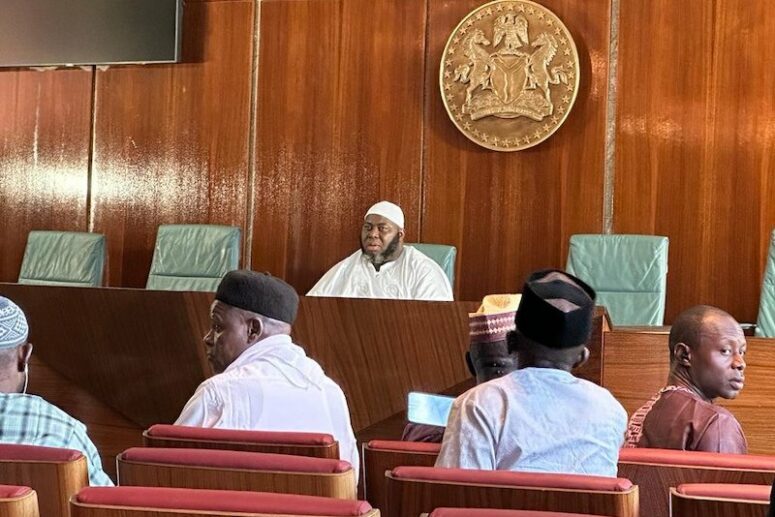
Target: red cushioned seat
{"x": 13, "y": 491}
{"x": 516, "y": 479}
{"x": 696, "y": 459}
{"x": 16, "y": 452}
{"x": 401, "y": 446}
{"x": 759, "y": 493}
{"x": 220, "y": 501}
{"x": 487, "y": 512}
{"x": 235, "y": 460}
{"x": 237, "y": 435}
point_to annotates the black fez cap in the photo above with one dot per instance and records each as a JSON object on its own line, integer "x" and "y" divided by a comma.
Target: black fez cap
{"x": 556, "y": 309}
{"x": 260, "y": 293}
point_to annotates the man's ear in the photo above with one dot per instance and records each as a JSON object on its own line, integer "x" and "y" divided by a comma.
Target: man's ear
{"x": 23, "y": 356}
{"x": 682, "y": 354}
{"x": 255, "y": 329}
{"x": 582, "y": 358}
{"x": 470, "y": 364}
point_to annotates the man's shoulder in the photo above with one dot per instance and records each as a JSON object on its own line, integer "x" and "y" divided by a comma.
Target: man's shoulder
{"x": 33, "y": 405}
{"x": 418, "y": 259}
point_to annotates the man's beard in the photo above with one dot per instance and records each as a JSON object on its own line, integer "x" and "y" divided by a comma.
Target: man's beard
{"x": 386, "y": 256}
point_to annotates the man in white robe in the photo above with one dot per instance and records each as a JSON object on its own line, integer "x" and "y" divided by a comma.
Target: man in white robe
{"x": 541, "y": 418}
{"x": 384, "y": 267}
{"x": 263, "y": 380}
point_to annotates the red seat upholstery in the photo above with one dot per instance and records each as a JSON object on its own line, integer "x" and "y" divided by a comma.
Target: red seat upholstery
{"x": 726, "y": 491}
{"x": 655, "y": 471}
{"x": 489, "y": 512}
{"x": 414, "y": 490}
{"x": 238, "y": 435}
{"x": 13, "y": 491}
{"x": 235, "y": 460}
{"x": 219, "y": 501}
{"x": 316, "y": 445}
{"x": 508, "y": 478}
{"x": 16, "y": 452}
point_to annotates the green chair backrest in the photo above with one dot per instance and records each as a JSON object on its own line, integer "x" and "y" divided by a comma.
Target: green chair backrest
{"x": 63, "y": 258}
{"x": 442, "y": 254}
{"x": 765, "y": 323}
{"x": 629, "y": 273}
{"x": 193, "y": 257}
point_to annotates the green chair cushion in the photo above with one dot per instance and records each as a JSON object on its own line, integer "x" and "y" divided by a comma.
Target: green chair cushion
{"x": 629, "y": 273}
{"x": 765, "y": 323}
{"x": 193, "y": 257}
{"x": 63, "y": 258}
{"x": 442, "y": 254}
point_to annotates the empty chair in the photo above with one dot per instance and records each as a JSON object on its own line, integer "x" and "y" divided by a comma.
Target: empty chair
{"x": 55, "y": 474}
{"x": 182, "y": 502}
{"x": 414, "y": 490}
{"x": 315, "y": 445}
{"x": 629, "y": 273}
{"x": 442, "y": 254}
{"x": 18, "y": 501}
{"x": 193, "y": 257}
{"x": 655, "y": 471}
{"x": 236, "y": 470}
{"x": 765, "y": 323}
{"x": 489, "y": 512}
{"x": 384, "y": 455}
{"x": 719, "y": 500}
{"x": 63, "y": 258}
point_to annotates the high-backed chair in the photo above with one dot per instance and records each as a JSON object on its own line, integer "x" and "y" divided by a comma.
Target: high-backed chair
{"x": 236, "y": 470}
{"x": 765, "y": 323}
{"x": 443, "y": 254}
{"x": 63, "y": 258}
{"x": 55, "y": 474}
{"x": 380, "y": 456}
{"x": 720, "y": 500}
{"x": 655, "y": 471}
{"x": 193, "y": 257}
{"x": 489, "y": 512}
{"x": 182, "y": 502}
{"x": 18, "y": 501}
{"x": 315, "y": 445}
{"x": 629, "y": 273}
{"x": 414, "y": 490}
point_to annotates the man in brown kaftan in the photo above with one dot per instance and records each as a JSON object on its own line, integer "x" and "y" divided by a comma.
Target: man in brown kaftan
{"x": 707, "y": 349}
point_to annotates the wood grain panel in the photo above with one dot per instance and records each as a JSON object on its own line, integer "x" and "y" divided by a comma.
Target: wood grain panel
{"x": 695, "y": 129}
{"x": 406, "y": 496}
{"x": 25, "y": 506}
{"x": 339, "y": 127}
{"x": 511, "y": 213}
{"x": 378, "y": 460}
{"x": 55, "y": 482}
{"x": 637, "y": 364}
{"x": 44, "y": 157}
{"x": 171, "y": 141}
{"x": 684, "y": 506}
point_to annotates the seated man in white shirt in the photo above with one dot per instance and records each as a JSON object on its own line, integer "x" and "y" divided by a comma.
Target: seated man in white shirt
{"x": 384, "y": 267}
{"x": 540, "y": 418}
{"x": 263, "y": 380}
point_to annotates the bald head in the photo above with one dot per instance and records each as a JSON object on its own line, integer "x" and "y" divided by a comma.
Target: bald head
{"x": 691, "y": 323}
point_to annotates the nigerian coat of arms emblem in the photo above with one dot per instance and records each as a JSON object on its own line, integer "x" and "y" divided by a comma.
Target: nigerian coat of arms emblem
{"x": 509, "y": 74}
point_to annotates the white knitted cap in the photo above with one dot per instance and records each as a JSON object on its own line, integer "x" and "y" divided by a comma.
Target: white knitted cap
{"x": 388, "y": 210}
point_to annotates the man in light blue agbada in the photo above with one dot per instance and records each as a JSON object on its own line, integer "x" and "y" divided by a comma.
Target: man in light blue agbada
{"x": 28, "y": 419}
{"x": 541, "y": 418}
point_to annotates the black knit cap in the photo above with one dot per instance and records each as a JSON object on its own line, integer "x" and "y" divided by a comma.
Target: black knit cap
{"x": 556, "y": 309}
{"x": 261, "y": 293}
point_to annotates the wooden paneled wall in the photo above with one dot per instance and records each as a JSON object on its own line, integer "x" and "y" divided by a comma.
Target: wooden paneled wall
{"x": 289, "y": 118}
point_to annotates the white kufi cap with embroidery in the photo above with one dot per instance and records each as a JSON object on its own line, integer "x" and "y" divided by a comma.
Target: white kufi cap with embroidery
{"x": 13, "y": 325}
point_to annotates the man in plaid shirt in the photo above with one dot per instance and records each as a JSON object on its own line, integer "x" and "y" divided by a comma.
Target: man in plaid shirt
{"x": 28, "y": 419}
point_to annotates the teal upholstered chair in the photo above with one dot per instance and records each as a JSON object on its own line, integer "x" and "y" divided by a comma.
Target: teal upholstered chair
{"x": 442, "y": 254}
{"x": 63, "y": 258}
{"x": 193, "y": 257}
{"x": 765, "y": 323}
{"x": 629, "y": 273}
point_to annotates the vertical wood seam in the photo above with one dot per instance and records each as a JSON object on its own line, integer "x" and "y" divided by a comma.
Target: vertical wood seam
{"x": 90, "y": 153}
{"x": 425, "y": 117}
{"x": 247, "y": 253}
{"x": 609, "y": 174}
